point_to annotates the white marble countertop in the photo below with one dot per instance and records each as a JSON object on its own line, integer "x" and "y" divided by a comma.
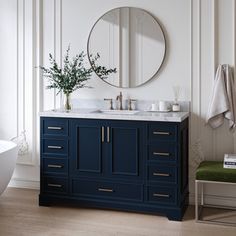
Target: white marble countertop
{"x": 96, "y": 114}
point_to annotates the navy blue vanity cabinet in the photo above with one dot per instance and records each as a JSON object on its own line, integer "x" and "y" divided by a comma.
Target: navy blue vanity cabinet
{"x": 137, "y": 166}
{"x": 54, "y": 161}
{"x": 109, "y": 149}
{"x": 167, "y": 167}
{"x": 125, "y": 148}
{"x": 106, "y": 159}
{"x": 87, "y": 139}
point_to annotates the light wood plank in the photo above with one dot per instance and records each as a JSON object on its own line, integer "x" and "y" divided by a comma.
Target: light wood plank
{"x": 21, "y": 215}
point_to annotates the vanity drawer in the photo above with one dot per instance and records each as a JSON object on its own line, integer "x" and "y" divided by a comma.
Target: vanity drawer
{"x": 55, "y": 185}
{"x": 56, "y": 127}
{"x": 163, "y": 152}
{"x": 55, "y": 146}
{"x": 107, "y": 190}
{"x": 55, "y": 166}
{"x": 160, "y": 194}
{"x": 162, "y": 132}
{"x": 166, "y": 174}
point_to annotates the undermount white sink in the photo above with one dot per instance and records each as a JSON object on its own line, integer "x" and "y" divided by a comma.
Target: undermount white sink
{"x": 119, "y": 112}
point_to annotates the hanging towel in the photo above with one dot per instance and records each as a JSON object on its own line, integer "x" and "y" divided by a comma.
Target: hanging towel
{"x": 230, "y": 114}
{"x": 223, "y": 100}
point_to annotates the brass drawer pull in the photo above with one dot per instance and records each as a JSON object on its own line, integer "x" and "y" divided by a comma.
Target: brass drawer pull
{"x": 54, "y": 147}
{"x": 161, "y": 195}
{"x": 161, "y": 153}
{"x": 108, "y": 134}
{"x": 55, "y": 166}
{"x": 105, "y": 190}
{"x": 55, "y": 127}
{"x": 55, "y": 185}
{"x": 102, "y": 134}
{"x": 161, "y": 174}
{"x": 161, "y": 133}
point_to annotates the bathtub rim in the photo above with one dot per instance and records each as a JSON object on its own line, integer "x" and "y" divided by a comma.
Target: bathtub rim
{"x": 12, "y": 146}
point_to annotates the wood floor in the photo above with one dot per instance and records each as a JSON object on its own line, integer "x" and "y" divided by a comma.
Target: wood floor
{"x": 21, "y": 215}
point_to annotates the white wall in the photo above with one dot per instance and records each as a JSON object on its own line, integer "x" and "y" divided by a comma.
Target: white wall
{"x": 200, "y": 34}
{"x": 8, "y": 72}
{"x": 178, "y": 44}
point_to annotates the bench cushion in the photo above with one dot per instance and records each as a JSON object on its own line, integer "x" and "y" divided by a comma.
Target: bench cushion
{"x": 214, "y": 171}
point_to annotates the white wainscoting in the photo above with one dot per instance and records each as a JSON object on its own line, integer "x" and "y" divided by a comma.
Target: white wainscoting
{"x": 213, "y": 43}
{"x": 20, "y": 82}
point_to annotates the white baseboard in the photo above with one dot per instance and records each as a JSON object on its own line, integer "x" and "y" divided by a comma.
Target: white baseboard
{"x": 23, "y": 183}
{"x": 215, "y": 200}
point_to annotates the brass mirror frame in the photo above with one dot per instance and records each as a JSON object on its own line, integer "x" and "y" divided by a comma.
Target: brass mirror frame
{"x": 163, "y": 59}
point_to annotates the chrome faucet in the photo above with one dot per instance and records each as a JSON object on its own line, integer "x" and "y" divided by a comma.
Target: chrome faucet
{"x": 120, "y": 98}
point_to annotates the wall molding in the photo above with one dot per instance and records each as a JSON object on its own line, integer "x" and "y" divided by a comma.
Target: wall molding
{"x": 205, "y": 28}
{"x": 40, "y": 52}
{"x": 29, "y": 23}
{"x": 24, "y": 183}
{"x": 57, "y": 41}
{"x": 35, "y": 130}
{"x": 25, "y": 73}
{"x": 214, "y": 199}
{"x": 195, "y": 124}
{"x": 234, "y": 36}
{"x": 199, "y": 75}
{"x": 38, "y": 58}
{"x": 214, "y": 43}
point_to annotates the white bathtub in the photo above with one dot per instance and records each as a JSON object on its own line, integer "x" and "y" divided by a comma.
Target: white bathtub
{"x": 8, "y": 155}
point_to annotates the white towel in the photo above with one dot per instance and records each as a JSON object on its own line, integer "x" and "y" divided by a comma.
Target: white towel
{"x": 231, "y": 91}
{"x": 223, "y": 100}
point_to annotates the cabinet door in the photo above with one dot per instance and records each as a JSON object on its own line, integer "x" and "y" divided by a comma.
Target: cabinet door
{"x": 125, "y": 149}
{"x": 86, "y": 147}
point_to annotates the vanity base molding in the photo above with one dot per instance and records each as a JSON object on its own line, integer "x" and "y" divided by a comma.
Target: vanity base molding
{"x": 138, "y": 166}
{"x": 172, "y": 213}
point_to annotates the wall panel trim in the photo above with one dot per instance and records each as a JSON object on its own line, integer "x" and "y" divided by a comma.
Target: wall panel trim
{"x": 27, "y": 77}
{"x": 199, "y": 61}
{"x": 214, "y": 48}
{"x": 57, "y": 47}
{"x": 234, "y": 51}
{"x": 24, "y": 183}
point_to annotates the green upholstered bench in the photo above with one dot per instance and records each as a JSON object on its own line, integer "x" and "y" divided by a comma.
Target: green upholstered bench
{"x": 212, "y": 172}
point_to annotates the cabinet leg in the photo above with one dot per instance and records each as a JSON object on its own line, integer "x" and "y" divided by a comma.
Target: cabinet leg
{"x": 174, "y": 218}
{"x": 176, "y": 215}
{"x": 44, "y": 201}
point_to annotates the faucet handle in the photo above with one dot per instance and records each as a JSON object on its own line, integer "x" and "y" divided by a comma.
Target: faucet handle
{"x": 111, "y": 102}
{"x": 130, "y": 103}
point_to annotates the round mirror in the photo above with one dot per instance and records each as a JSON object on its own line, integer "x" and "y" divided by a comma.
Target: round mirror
{"x": 130, "y": 40}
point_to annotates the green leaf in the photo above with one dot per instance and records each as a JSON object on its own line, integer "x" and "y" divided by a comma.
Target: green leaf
{"x": 74, "y": 73}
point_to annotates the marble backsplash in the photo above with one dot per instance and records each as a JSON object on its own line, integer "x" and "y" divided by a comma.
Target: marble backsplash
{"x": 142, "y": 105}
